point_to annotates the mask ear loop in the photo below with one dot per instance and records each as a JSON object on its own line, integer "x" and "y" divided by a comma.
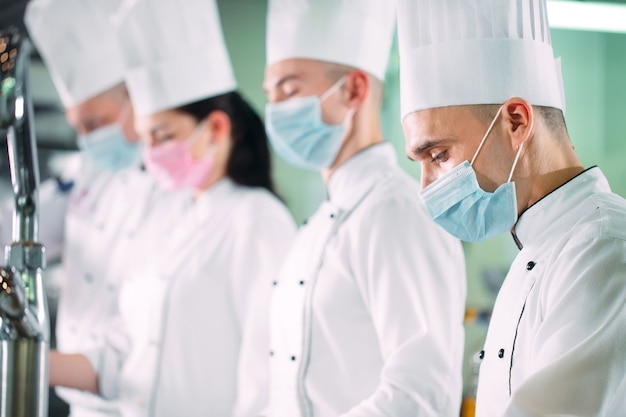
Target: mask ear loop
{"x": 191, "y": 139}
{"x": 519, "y": 151}
{"x": 333, "y": 88}
{"x": 482, "y": 142}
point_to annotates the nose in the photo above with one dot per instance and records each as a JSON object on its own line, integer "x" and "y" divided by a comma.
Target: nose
{"x": 427, "y": 177}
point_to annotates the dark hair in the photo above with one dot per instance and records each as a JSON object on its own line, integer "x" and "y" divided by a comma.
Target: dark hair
{"x": 249, "y": 162}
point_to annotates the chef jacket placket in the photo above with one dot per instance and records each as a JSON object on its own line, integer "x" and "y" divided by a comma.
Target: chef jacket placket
{"x": 291, "y": 292}
{"x": 148, "y": 320}
{"x": 499, "y": 355}
{"x": 297, "y": 292}
{"x": 86, "y": 230}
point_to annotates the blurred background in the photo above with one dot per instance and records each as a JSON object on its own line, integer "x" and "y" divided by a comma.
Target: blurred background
{"x": 593, "y": 56}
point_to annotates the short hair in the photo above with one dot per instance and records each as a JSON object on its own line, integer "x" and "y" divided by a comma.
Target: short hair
{"x": 552, "y": 117}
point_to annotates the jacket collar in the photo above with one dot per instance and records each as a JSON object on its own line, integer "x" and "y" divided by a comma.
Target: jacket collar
{"x": 555, "y": 210}
{"x": 359, "y": 174}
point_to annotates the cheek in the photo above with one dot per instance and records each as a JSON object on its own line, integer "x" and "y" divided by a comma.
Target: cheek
{"x": 486, "y": 183}
{"x": 130, "y": 133}
{"x": 333, "y": 113}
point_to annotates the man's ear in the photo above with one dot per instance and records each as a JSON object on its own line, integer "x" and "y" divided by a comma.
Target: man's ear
{"x": 218, "y": 125}
{"x": 357, "y": 87}
{"x": 519, "y": 120}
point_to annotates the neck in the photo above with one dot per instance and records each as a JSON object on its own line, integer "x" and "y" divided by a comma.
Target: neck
{"x": 364, "y": 133}
{"x": 546, "y": 169}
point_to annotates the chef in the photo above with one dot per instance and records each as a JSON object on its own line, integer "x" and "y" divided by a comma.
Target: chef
{"x": 366, "y": 316}
{"x": 101, "y": 207}
{"x": 483, "y": 103}
{"x": 197, "y": 281}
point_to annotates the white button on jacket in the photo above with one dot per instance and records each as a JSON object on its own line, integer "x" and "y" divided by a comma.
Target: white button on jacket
{"x": 556, "y": 344}
{"x": 197, "y": 281}
{"x": 366, "y": 317}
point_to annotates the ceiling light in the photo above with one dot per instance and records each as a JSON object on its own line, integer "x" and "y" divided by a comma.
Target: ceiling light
{"x": 577, "y": 15}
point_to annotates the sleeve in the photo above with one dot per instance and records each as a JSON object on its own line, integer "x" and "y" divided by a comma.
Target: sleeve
{"x": 579, "y": 352}
{"x": 412, "y": 278}
{"x": 264, "y": 236}
{"x": 107, "y": 360}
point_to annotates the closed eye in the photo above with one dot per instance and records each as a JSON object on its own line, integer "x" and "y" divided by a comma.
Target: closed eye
{"x": 439, "y": 157}
{"x": 161, "y": 134}
{"x": 163, "y": 138}
{"x": 291, "y": 93}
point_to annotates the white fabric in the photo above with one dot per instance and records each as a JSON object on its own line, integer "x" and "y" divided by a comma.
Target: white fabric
{"x": 366, "y": 317}
{"x": 561, "y": 323}
{"x": 103, "y": 211}
{"x": 476, "y": 52}
{"x": 76, "y": 42}
{"x": 357, "y": 33}
{"x": 188, "y": 304}
{"x": 174, "y": 52}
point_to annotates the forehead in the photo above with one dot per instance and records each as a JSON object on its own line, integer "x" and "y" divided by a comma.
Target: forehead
{"x": 301, "y": 69}
{"x": 162, "y": 119}
{"x": 438, "y": 123}
{"x": 99, "y": 108}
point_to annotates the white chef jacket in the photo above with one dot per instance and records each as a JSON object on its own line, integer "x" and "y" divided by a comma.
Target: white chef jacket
{"x": 104, "y": 209}
{"x": 188, "y": 299}
{"x": 367, "y": 312}
{"x": 556, "y": 344}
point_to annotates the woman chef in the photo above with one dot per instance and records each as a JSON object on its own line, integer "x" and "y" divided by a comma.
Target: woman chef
{"x": 197, "y": 281}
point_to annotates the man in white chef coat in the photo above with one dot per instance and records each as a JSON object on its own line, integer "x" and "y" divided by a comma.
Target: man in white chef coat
{"x": 483, "y": 109}
{"x": 109, "y": 192}
{"x": 367, "y": 312}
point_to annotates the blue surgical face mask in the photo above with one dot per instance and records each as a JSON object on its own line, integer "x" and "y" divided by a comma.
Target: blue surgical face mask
{"x": 108, "y": 148}
{"x": 299, "y": 135}
{"x": 458, "y": 204}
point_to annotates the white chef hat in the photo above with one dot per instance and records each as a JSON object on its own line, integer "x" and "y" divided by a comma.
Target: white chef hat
{"x": 174, "y": 52}
{"x": 357, "y": 33}
{"x": 78, "y": 46}
{"x": 476, "y": 52}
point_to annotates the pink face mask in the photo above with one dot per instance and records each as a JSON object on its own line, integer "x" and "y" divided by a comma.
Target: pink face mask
{"x": 172, "y": 165}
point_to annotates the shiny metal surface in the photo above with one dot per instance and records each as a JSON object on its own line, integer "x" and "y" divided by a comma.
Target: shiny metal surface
{"x": 24, "y": 319}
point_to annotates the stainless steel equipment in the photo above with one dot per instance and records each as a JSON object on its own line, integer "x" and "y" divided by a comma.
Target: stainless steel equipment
{"x": 24, "y": 319}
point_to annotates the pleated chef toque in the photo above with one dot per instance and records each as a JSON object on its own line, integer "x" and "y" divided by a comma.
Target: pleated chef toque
{"x": 357, "y": 33}
{"x": 459, "y": 52}
{"x": 174, "y": 52}
{"x": 78, "y": 46}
